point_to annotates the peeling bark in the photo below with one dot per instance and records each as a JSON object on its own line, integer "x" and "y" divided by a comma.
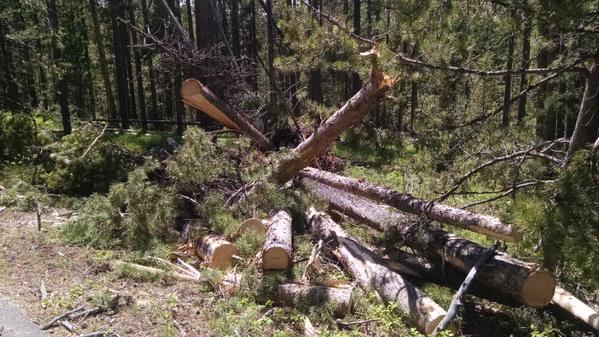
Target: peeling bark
{"x": 373, "y": 273}
{"x": 485, "y": 224}
{"x": 523, "y": 282}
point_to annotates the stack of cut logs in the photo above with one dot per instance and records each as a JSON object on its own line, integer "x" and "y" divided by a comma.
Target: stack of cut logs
{"x": 448, "y": 256}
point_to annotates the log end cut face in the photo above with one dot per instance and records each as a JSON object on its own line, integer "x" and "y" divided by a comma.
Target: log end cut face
{"x": 222, "y": 256}
{"x": 433, "y": 323}
{"x": 252, "y": 224}
{"x": 276, "y": 258}
{"x": 538, "y": 288}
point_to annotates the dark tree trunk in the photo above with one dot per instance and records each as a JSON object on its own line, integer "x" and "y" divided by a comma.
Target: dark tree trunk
{"x": 62, "y": 91}
{"x": 138, "y": 76}
{"x": 525, "y": 65}
{"x": 151, "y": 72}
{"x": 97, "y": 31}
{"x": 356, "y": 82}
{"x": 271, "y": 52}
{"x": 507, "y": 89}
{"x": 188, "y": 11}
{"x": 315, "y": 75}
{"x": 119, "y": 32}
{"x": 206, "y": 25}
{"x": 235, "y": 27}
{"x": 413, "y": 103}
{"x": 13, "y": 101}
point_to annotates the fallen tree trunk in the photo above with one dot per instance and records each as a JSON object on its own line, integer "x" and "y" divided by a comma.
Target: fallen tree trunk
{"x": 522, "y": 282}
{"x": 485, "y": 224}
{"x": 372, "y": 273}
{"x": 340, "y": 297}
{"x": 576, "y": 307}
{"x": 216, "y": 251}
{"x": 277, "y": 251}
{"x": 348, "y": 115}
{"x": 200, "y": 97}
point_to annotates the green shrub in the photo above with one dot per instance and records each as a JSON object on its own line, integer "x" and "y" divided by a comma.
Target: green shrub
{"x": 22, "y": 196}
{"x": 70, "y": 172}
{"x": 134, "y": 215}
{"x": 17, "y": 137}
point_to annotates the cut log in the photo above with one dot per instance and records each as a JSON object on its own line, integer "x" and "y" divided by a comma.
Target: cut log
{"x": 194, "y": 93}
{"x": 372, "y": 273}
{"x": 251, "y": 225}
{"x": 576, "y": 307}
{"x": 278, "y": 248}
{"x": 522, "y": 282}
{"x": 216, "y": 251}
{"x": 485, "y": 224}
{"x": 347, "y": 116}
{"x": 340, "y": 297}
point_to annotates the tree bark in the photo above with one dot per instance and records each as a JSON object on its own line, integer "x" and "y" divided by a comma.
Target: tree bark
{"x": 347, "y": 116}
{"x": 576, "y": 307}
{"x": 11, "y": 99}
{"x": 235, "y": 28}
{"x": 372, "y": 273}
{"x": 119, "y": 32}
{"x": 485, "y": 224}
{"x": 151, "y": 74}
{"x": 587, "y": 122}
{"x": 206, "y": 25}
{"x": 194, "y": 93}
{"x": 525, "y": 62}
{"x": 62, "y": 88}
{"x": 277, "y": 252}
{"x": 216, "y": 251}
{"x": 507, "y": 89}
{"x": 522, "y": 282}
{"x": 340, "y": 298}
{"x": 190, "y": 27}
{"x": 138, "y": 76}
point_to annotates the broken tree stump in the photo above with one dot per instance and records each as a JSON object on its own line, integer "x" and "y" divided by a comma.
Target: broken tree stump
{"x": 216, "y": 251}
{"x": 339, "y": 297}
{"x": 480, "y": 223}
{"x": 277, "y": 252}
{"x": 373, "y": 273}
{"x": 522, "y": 282}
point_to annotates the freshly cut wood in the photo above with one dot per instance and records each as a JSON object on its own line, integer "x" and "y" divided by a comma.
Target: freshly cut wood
{"x": 372, "y": 273}
{"x": 340, "y": 297}
{"x": 216, "y": 251}
{"x": 522, "y": 282}
{"x": 347, "y": 116}
{"x": 485, "y": 224}
{"x": 277, "y": 251}
{"x": 252, "y": 225}
{"x": 576, "y": 307}
{"x": 194, "y": 93}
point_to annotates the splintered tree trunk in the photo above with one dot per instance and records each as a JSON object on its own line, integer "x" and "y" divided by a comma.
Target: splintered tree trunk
{"x": 277, "y": 251}
{"x": 339, "y": 297}
{"x": 587, "y": 121}
{"x": 323, "y": 137}
{"x": 523, "y": 282}
{"x": 372, "y": 273}
{"x": 194, "y": 93}
{"x": 485, "y": 224}
{"x": 216, "y": 251}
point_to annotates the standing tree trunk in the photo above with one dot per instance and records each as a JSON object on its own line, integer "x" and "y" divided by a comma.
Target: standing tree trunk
{"x": 357, "y": 16}
{"x": 13, "y": 101}
{"x": 525, "y": 63}
{"x": 235, "y": 28}
{"x": 138, "y": 76}
{"x": 587, "y": 122}
{"x": 507, "y": 89}
{"x": 119, "y": 32}
{"x": 372, "y": 273}
{"x": 62, "y": 88}
{"x": 151, "y": 73}
{"x": 188, "y": 12}
{"x": 206, "y": 25}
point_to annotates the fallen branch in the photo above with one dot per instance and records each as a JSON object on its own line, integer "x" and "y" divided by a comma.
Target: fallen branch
{"x": 457, "y": 299}
{"x": 91, "y": 145}
{"x": 520, "y": 281}
{"x": 313, "y": 257}
{"x": 484, "y": 224}
{"x": 576, "y": 307}
{"x": 55, "y": 320}
{"x": 372, "y": 273}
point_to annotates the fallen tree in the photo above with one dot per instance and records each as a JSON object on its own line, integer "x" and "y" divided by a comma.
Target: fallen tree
{"x": 522, "y": 282}
{"x": 576, "y": 307}
{"x": 348, "y": 115}
{"x": 372, "y": 273}
{"x": 339, "y": 297}
{"x": 485, "y": 224}
{"x": 216, "y": 251}
{"x": 277, "y": 251}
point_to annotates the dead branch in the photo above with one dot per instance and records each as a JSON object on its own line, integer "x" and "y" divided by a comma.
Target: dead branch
{"x": 91, "y": 145}
{"x": 59, "y": 317}
{"x": 508, "y": 191}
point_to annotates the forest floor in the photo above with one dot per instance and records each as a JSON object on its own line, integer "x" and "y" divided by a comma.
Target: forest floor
{"x": 76, "y": 276}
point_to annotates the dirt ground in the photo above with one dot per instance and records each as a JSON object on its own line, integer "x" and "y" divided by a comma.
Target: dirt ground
{"x": 75, "y": 276}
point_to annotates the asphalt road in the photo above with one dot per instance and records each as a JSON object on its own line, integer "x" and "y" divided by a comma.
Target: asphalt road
{"x": 13, "y": 323}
